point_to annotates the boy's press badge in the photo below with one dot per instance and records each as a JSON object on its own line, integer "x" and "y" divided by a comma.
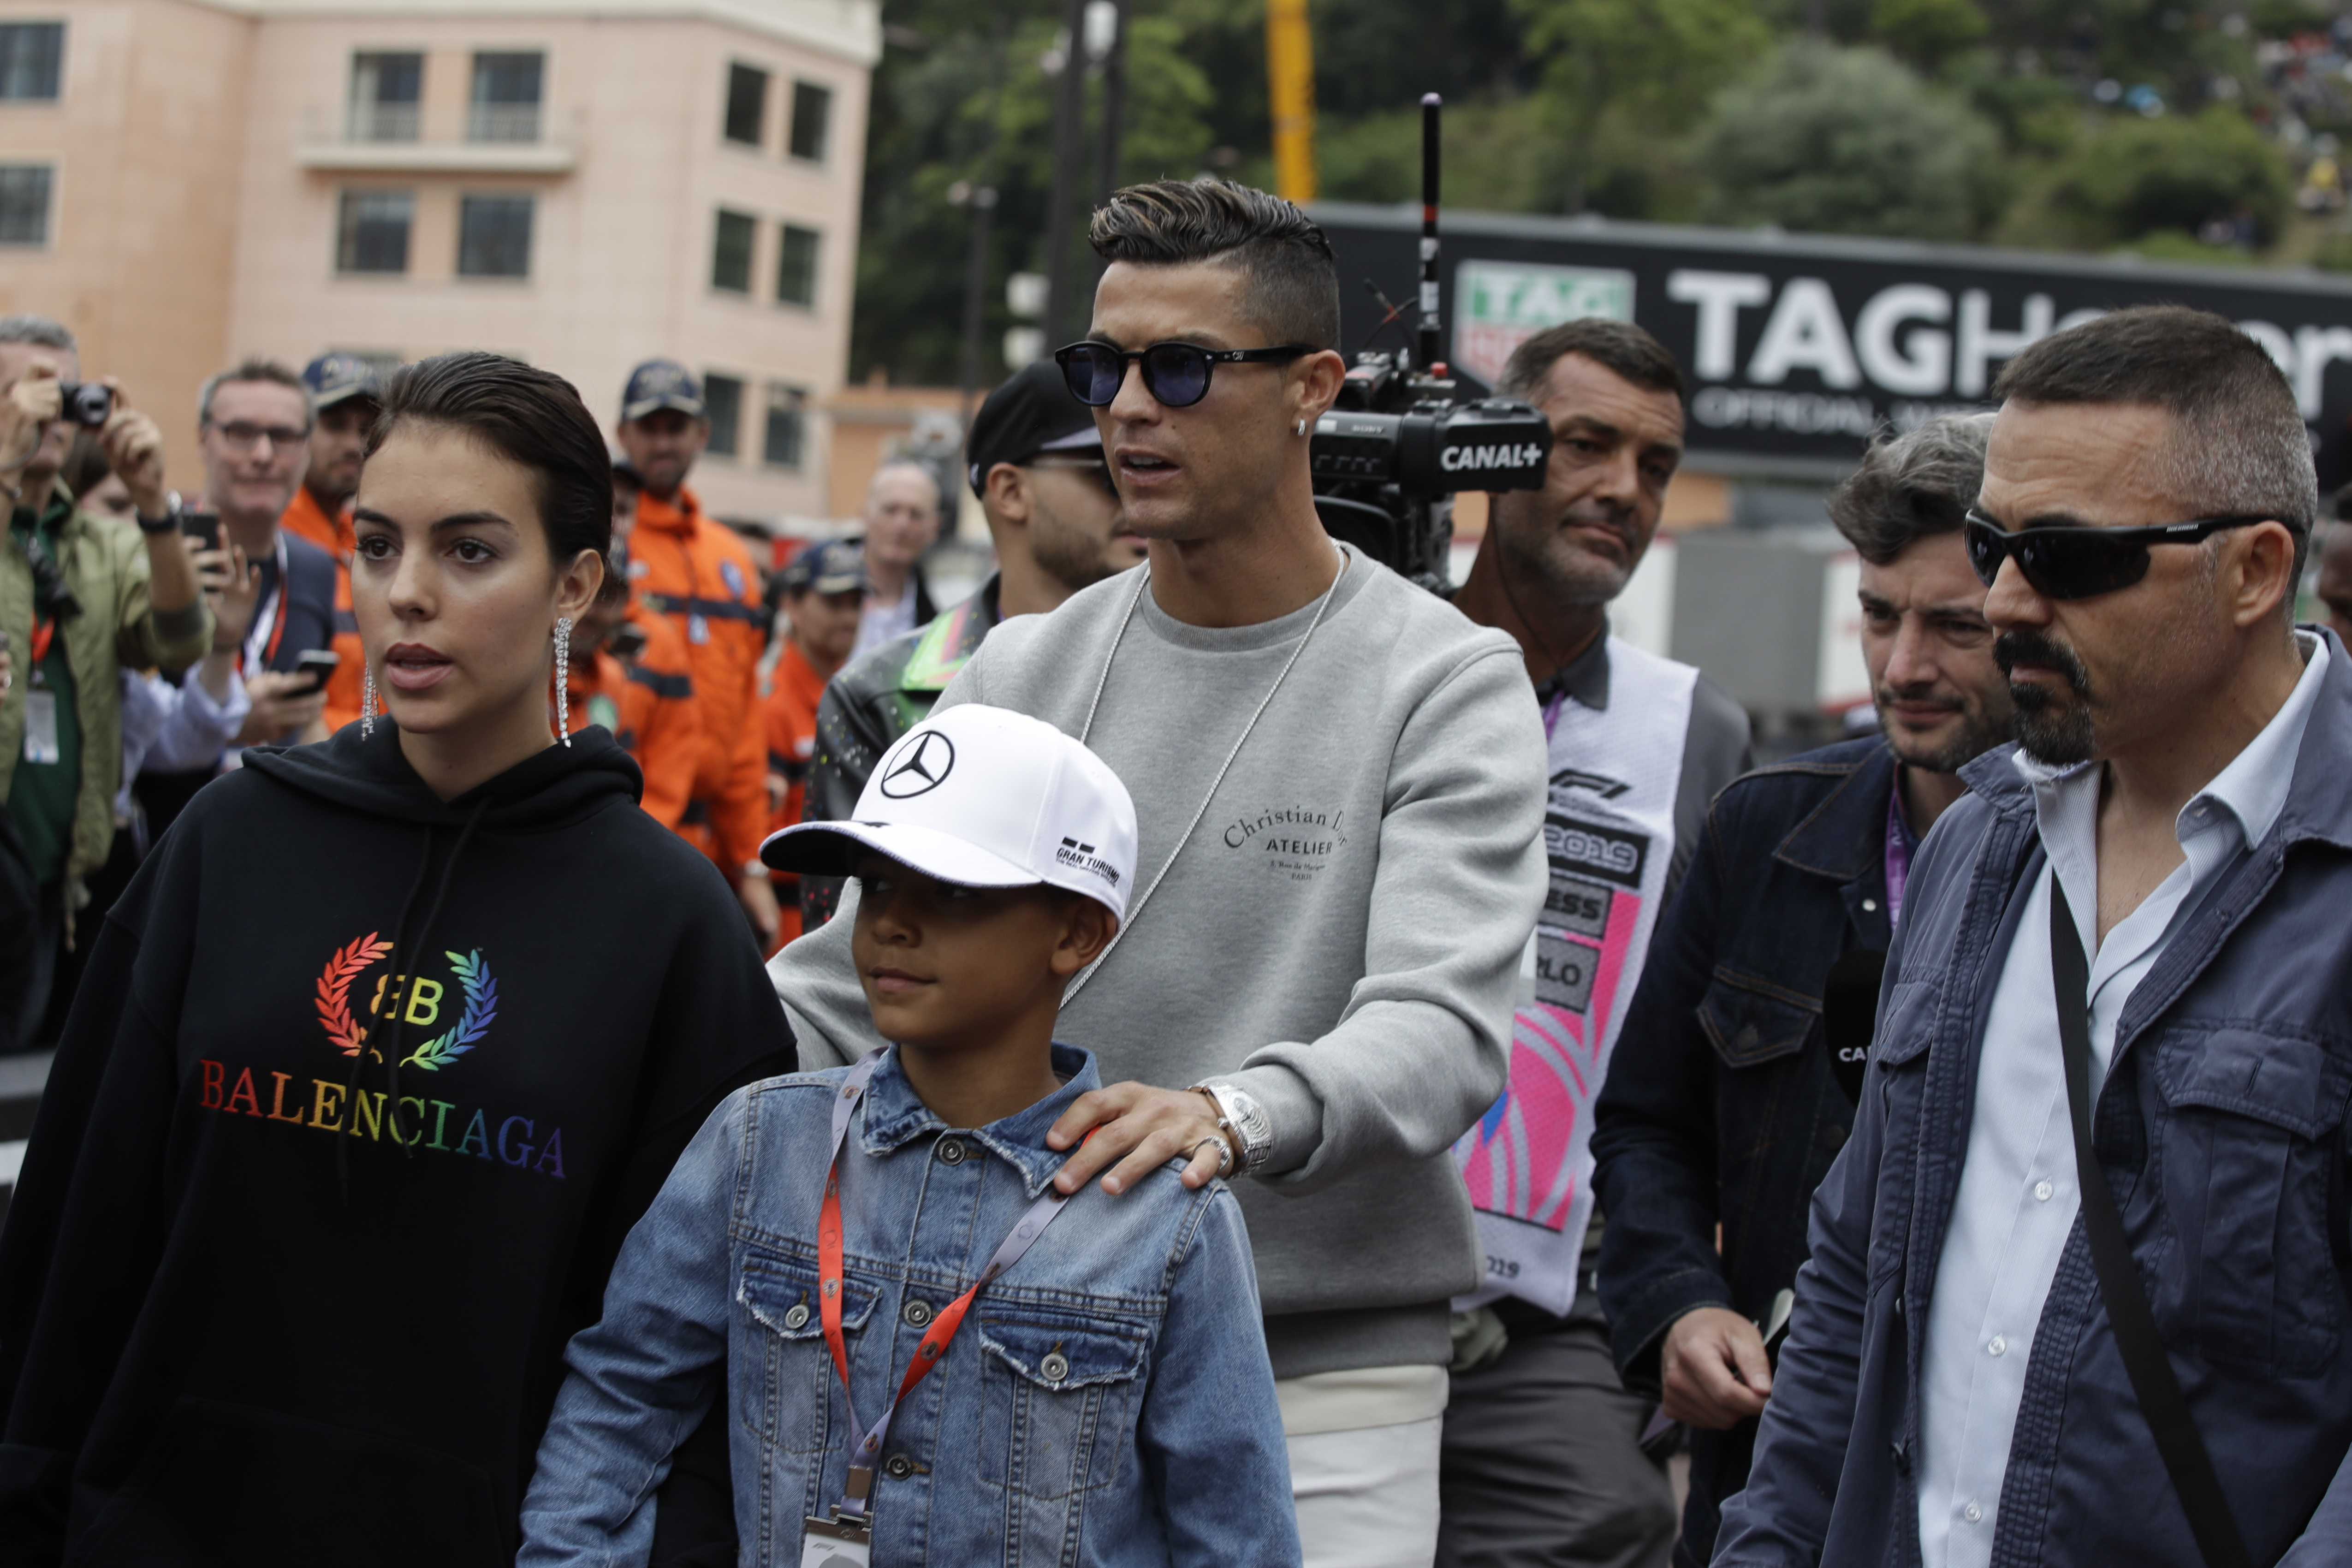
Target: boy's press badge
{"x": 836, "y": 1544}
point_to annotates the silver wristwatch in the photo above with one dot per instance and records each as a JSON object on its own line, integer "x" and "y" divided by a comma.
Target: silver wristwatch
{"x": 1240, "y": 1115}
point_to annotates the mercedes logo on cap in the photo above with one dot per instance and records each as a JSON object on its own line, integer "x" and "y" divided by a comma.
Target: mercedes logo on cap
{"x": 924, "y": 768}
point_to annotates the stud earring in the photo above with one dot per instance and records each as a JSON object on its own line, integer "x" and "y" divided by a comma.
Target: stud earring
{"x": 563, "y": 678}
{"x": 367, "y": 701}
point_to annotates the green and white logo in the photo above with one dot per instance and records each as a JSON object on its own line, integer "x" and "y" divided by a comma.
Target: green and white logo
{"x": 1498, "y": 305}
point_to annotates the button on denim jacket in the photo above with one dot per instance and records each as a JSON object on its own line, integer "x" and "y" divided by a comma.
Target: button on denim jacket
{"x": 1108, "y": 1400}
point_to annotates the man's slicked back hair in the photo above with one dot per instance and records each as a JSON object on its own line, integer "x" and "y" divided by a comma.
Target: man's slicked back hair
{"x": 1912, "y": 485}
{"x": 2239, "y": 446}
{"x": 1292, "y": 283}
{"x": 1619, "y": 347}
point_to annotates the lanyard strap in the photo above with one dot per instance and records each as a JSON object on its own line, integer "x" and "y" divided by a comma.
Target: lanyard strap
{"x": 45, "y": 632}
{"x": 1898, "y": 853}
{"x": 269, "y": 631}
{"x": 928, "y": 1354}
{"x": 2153, "y": 1380}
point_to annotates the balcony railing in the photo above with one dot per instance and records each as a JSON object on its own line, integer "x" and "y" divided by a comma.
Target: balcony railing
{"x": 386, "y": 121}
{"x": 503, "y": 122}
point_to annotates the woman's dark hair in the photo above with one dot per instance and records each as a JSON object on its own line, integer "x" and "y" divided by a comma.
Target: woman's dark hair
{"x": 526, "y": 416}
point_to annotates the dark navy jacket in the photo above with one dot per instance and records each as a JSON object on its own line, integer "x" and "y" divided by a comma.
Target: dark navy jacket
{"x": 2222, "y": 1130}
{"x": 1720, "y": 1106}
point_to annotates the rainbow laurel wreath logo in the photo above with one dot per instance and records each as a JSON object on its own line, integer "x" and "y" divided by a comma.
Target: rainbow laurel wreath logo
{"x": 418, "y": 998}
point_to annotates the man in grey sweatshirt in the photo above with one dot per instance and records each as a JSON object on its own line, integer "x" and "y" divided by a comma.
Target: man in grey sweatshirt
{"x": 1341, "y": 786}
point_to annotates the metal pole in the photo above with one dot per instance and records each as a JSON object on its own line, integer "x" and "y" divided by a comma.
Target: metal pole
{"x": 1430, "y": 105}
{"x": 1069, "y": 112}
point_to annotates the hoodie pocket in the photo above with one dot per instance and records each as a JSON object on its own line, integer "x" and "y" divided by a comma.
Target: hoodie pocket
{"x": 787, "y": 1405}
{"x": 1059, "y": 1392}
{"x": 230, "y": 1483}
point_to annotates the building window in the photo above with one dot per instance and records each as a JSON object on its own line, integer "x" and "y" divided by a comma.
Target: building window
{"x": 375, "y": 231}
{"x": 387, "y": 97}
{"x": 787, "y": 427}
{"x": 730, "y": 254}
{"x": 796, "y": 267}
{"x": 506, "y": 97}
{"x": 812, "y": 112}
{"x": 494, "y": 237}
{"x": 29, "y": 52}
{"x": 24, "y": 203}
{"x": 747, "y": 105}
{"x": 722, "y": 402}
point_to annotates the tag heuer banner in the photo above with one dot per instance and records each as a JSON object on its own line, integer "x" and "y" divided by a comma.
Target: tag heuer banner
{"x": 1798, "y": 347}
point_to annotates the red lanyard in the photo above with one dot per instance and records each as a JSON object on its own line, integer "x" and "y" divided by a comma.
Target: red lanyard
{"x": 45, "y": 632}
{"x": 856, "y": 1504}
{"x": 273, "y": 617}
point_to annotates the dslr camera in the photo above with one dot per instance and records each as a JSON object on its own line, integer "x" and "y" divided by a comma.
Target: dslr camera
{"x": 1399, "y": 441}
{"x": 87, "y": 403}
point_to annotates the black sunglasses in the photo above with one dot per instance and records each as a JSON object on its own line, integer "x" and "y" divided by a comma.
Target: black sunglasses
{"x": 2080, "y": 562}
{"x": 1176, "y": 375}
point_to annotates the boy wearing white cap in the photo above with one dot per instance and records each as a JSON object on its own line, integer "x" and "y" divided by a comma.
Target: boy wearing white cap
{"x": 1057, "y": 1378}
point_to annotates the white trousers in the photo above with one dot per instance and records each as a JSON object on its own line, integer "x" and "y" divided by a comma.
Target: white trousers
{"x": 1366, "y": 1495}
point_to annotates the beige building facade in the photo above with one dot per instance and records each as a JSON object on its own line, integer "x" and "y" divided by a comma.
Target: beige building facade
{"x": 583, "y": 184}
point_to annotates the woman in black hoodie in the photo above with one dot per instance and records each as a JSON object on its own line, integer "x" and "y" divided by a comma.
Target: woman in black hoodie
{"x": 374, "y": 1065}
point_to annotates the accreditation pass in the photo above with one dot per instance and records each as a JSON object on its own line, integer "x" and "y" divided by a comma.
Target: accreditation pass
{"x": 836, "y": 1543}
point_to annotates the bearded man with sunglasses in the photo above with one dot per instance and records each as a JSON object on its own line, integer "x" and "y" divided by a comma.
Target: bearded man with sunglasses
{"x": 2078, "y": 1285}
{"x": 1341, "y": 782}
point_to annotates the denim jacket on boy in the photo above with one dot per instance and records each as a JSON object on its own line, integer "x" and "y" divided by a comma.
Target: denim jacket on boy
{"x": 1108, "y": 1400}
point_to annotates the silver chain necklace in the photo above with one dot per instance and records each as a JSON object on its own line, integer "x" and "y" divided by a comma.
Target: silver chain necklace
{"x": 1263, "y": 703}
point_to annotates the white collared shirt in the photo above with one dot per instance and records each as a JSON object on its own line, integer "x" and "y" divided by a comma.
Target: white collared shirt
{"x": 2018, "y": 1195}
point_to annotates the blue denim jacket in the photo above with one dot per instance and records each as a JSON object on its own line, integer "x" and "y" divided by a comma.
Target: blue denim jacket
{"x": 1106, "y": 1401}
{"x": 1721, "y": 1113}
{"x": 2221, "y": 1129}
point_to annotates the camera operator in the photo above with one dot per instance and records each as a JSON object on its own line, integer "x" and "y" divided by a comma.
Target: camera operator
{"x": 1723, "y": 1108}
{"x": 1341, "y": 782}
{"x": 1638, "y": 746}
{"x": 97, "y": 597}
{"x": 1035, "y": 461}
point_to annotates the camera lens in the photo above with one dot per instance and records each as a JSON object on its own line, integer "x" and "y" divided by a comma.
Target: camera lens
{"x": 90, "y": 403}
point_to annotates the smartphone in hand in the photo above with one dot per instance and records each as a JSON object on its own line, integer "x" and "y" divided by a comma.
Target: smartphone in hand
{"x": 316, "y": 665}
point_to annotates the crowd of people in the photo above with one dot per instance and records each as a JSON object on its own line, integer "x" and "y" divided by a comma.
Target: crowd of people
{"x": 1233, "y": 1058}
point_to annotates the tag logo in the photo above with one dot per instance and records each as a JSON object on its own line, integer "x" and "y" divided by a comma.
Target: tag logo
{"x": 922, "y": 768}
{"x": 733, "y": 575}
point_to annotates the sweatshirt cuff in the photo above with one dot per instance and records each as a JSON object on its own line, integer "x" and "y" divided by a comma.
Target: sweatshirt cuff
{"x": 1290, "y": 1105}
{"x": 190, "y": 622}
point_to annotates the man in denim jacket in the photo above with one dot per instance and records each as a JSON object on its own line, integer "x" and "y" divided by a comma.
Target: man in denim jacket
{"x": 1951, "y": 1392}
{"x": 1106, "y": 1402}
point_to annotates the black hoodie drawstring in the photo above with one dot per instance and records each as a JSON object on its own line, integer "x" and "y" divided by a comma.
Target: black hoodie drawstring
{"x": 399, "y": 1007}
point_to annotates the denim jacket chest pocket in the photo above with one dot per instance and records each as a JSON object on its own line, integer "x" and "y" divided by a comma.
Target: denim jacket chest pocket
{"x": 2243, "y": 1149}
{"x": 787, "y": 1405}
{"x": 1061, "y": 1389}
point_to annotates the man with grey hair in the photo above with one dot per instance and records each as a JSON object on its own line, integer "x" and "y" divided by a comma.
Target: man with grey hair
{"x": 1731, "y": 1093}
{"x": 902, "y": 521}
{"x": 2077, "y": 1285}
{"x": 82, "y": 599}
{"x": 253, "y": 429}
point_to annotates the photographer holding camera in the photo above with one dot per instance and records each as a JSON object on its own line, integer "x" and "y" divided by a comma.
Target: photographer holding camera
{"x": 82, "y": 598}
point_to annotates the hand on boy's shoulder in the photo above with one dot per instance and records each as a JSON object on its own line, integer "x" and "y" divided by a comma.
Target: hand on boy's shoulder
{"x": 1136, "y": 1128}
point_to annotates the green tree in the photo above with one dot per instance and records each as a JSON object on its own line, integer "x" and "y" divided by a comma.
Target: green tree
{"x": 1646, "y": 64}
{"x": 2177, "y": 172}
{"x": 1847, "y": 140}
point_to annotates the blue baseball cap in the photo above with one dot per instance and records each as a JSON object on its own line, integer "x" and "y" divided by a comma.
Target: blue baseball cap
{"x": 660, "y": 384}
{"x": 337, "y": 377}
{"x": 832, "y": 567}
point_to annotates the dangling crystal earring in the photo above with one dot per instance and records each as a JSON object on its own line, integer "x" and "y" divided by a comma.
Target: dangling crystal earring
{"x": 563, "y": 678}
{"x": 367, "y": 701}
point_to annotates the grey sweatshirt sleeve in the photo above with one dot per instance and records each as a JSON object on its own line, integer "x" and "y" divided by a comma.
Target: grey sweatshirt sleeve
{"x": 1419, "y": 1054}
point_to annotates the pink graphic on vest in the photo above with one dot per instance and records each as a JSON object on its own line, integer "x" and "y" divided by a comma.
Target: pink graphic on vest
{"x": 1523, "y": 1158}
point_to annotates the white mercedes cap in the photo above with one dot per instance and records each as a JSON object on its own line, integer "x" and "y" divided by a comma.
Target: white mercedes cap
{"x": 987, "y": 798}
